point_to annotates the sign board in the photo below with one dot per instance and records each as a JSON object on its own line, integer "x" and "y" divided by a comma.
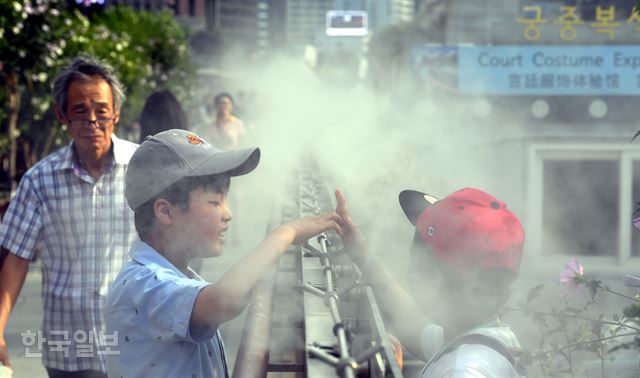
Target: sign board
{"x": 537, "y": 70}
{"x": 346, "y": 23}
{"x": 569, "y": 20}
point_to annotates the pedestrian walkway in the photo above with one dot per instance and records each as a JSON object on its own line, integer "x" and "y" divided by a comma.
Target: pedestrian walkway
{"x": 26, "y": 316}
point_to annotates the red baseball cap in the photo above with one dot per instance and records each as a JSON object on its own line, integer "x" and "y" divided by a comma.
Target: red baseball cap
{"x": 467, "y": 231}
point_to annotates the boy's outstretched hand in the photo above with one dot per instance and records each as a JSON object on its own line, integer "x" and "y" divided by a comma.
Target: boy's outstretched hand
{"x": 305, "y": 228}
{"x": 351, "y": 235}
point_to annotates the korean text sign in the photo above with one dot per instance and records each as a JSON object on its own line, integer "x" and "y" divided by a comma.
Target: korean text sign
{"x": 549, "y": 70}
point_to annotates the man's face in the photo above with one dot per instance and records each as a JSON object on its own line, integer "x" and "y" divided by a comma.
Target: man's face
{"x": 90, "y": 101}
{"x": 201, "y": 230}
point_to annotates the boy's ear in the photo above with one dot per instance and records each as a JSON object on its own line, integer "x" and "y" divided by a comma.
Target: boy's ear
{"x": 162, "y": 210}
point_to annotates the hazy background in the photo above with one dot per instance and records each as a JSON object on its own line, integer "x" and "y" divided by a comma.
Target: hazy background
{"x": 373, "y": 147}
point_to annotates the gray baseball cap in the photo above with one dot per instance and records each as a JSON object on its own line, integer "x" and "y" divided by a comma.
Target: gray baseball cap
{"x": 165, "y": 158}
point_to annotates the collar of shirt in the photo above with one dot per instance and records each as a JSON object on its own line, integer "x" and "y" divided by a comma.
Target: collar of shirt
{"x": 121, "y": 155}
{"x": 146, "y": 255}
{"x": 432, "y": 337}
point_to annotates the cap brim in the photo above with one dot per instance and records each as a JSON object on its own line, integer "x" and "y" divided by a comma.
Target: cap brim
{"x": 414, "y": 202}
{"x": 234, "y": 163}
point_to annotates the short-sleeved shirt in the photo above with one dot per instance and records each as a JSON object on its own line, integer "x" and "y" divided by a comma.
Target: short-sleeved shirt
{"x": 226, "y": 135}
{"x": 83, "y": 229}
{"x": 150, "y": 306}
{"x": 469, "y": 360}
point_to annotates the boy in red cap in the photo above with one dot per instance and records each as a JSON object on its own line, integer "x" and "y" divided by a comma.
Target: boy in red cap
{"x": 465, "y": 255}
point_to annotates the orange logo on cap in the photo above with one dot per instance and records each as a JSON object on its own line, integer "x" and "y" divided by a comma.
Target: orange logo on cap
{"x": 194, "y": 139}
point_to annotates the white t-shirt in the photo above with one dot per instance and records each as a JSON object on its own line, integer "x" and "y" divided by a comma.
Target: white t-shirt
{"x": 469, "y": 360}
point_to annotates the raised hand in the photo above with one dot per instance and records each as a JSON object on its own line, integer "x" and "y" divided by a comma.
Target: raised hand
{"x": 305, "y": 228}
{"x": 4, "y": 353}
{"x": 352, "y": 237}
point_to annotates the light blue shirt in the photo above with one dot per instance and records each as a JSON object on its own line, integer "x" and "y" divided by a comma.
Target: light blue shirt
{"x": 150, "y": 305}
{"x": 469, "y": 360}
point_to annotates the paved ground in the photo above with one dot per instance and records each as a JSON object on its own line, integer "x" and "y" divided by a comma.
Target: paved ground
{"x": 27, "y": 315}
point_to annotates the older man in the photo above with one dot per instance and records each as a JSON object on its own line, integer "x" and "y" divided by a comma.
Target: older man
{"x": 71, "y": 206}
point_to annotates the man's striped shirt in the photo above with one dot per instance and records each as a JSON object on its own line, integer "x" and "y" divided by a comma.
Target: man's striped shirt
{"x": 83, "y": 229}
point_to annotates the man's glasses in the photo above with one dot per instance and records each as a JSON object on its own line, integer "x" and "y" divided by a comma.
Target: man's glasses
{"x": 101, "y": 123}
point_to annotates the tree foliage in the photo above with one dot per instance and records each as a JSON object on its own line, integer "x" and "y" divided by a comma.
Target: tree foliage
{"x": 37, "y": 37}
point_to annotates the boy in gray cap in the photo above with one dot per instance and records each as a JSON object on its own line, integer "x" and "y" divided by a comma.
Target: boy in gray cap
{"x": 166, "y": 317}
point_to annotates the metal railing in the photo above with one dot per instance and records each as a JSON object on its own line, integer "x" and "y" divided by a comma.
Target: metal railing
{"x": 314, "y": 316}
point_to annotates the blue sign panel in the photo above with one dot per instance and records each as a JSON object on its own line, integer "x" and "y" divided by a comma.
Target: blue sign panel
{"x": 549, "y": 70}
{"x": 544, "y": 70}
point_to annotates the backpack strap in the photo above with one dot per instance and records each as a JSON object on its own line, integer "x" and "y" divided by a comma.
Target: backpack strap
{"x": 474, "y": 338}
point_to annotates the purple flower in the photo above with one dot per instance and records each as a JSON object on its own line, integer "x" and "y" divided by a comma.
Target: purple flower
{"x": 558, "y": 361}
{"x": 571, "y": 278}
{"x": 631, "y": 281}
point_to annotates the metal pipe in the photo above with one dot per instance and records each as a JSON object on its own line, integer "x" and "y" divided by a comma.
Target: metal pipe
{"x": 253, "y": 353}
{"x": 313, "y": 290}
{"x": 333, "y": 309}
{"x": 331, "y": 300}
{"x": 324, "y": 356}
{"x": 368, "y": 353}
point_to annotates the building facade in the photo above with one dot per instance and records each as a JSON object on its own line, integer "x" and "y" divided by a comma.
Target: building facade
{"x": 563, "y": 122}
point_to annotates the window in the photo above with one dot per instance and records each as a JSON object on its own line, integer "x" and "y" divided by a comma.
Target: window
{"x": 580, "y": 207}
{"x": 635, "y": 241}
{"x": 581, "y": 201}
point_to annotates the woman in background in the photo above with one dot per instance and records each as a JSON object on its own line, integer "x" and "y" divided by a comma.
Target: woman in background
{"x": 162, "y": 111}
{"x": 227, "y": 130}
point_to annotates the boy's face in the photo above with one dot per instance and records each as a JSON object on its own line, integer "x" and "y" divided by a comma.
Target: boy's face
{"x": 429, "y": 285}
{"x": 425, "y": 286}
{"x": 443, "y": 297}
{"x": 202, "y": 229}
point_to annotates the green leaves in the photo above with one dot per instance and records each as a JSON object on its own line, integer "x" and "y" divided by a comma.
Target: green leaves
{"x": 148, "y": 49}
{"x": 593, "y": 286}
{"x": 569, "y": 328}
{"x": 37, "y": 37}
{"x": 632, "y": 311}
{"x": 534, "y": 293}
